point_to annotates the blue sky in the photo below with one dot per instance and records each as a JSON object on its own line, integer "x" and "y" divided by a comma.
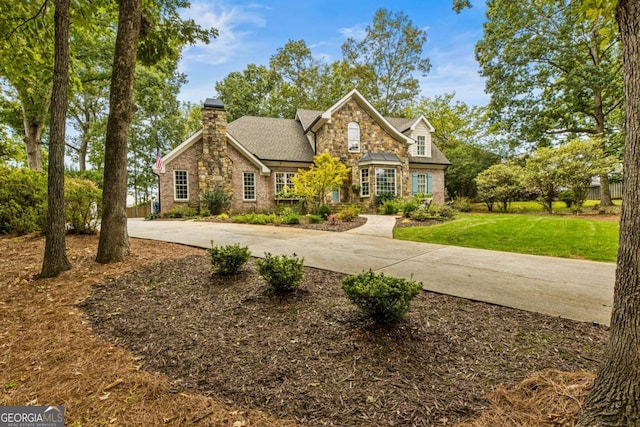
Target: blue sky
{"x": 252, "y": 31}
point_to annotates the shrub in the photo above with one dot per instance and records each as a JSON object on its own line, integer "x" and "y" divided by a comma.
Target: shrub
{"x": 389, "y": 207}
{"x": 180, "y": 212}
{"x": 289, "y": 216}
{"x": 324, "y": 211}
{"x": 216, "y": 201}
{"x": 229, "y": 259}
{"x": 283, "y": 273}
{"x": 349, "y": 213}
{"x": 383, "y": 298}
{"x": 384, "y": 196}
{"x": 567, "y": 197}
{"x": 408, "y": 207}
{"x": 461, "y": 204}
{"x": 82, "y": 205}
{"x": 223, "y": 216}
{"x": 435, "y": 211}
{"x": 257, "y": 219}
{"x": 23, "y": 200}
{"x": 314, "y": 219}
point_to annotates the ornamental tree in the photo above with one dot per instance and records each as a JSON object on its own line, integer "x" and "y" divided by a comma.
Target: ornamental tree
{"x": 326, "y": 174}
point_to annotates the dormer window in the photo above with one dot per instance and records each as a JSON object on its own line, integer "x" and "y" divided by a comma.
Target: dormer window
{"x": 354, "y": 137}
{"x": 421, "y": 147}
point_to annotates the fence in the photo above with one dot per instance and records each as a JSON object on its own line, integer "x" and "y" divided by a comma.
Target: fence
{"x": 138, "y": 211}
{"x": 614, "y": 188}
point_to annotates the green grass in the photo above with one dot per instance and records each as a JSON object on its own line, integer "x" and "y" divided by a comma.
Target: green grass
{"x": 530, "y": 207}
{"x": 559, "y": 236}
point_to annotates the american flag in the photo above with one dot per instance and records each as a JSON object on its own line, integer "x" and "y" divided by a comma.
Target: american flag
{"x": 159, "y": 165}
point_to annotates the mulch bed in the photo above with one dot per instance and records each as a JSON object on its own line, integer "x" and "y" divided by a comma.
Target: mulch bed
{"x": 313, "y": 357}
{"x": 337, "y": 226}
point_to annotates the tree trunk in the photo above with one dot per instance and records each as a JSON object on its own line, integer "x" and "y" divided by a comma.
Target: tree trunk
{"x": 32, "y": 138}
{"x": 55, "y": 257}
{"x": 615, "y": 397}
{"x": 114, "y": 241}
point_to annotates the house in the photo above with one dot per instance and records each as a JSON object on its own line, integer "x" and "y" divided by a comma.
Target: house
{"x": 254, "y": 158}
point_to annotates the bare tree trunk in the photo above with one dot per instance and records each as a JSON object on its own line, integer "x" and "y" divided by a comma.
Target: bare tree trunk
{"x": 114, "y": 240}
{"x": 615, "y": 397}
{"x": 32, "y": 138}
{"x": 55, "y": 257}
{"x": 605, "y": 193}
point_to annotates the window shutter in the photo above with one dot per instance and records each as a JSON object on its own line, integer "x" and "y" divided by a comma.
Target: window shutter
{"x": 414, "y": 182}
{"x": 429, "y": 179}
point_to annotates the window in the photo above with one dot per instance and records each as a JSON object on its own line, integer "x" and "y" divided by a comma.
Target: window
{"x": 248, "y": 186}
{"x": 422, "y": 183}
{"x": 180, "y": 185}
{"x": 364, "y": 183}
{"x": 284, "y": 184}
{"x": 421, "y": 147}
{"x": 386, "y": 181}
{"x": 354, "y": 137}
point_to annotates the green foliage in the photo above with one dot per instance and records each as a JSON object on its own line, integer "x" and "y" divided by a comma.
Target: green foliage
{"x": 323, "y": 211}
{"x": 23, "y": 200}
{"x": 567, "y": 197}
{"x": 349, "y": 213}
{"x": 461, "y": 204}
{"x": 387, "y": 59}
{"x": 290, "y": 217}
{"x": 216, "y": 201}
{"x": 409, "y": 206}
{"x": 384, "y": 196}
{"x": 283, "y": 273}
{"x": 229, "y": 259}
{"x": 92, "y": 175}
{"x": 180, "y": 212}
{"x": 314, "y": 219}
{"x": 435, "y": 211}
{"x": 501, "y": 183}
{"x": 256, "y": 218}
{"x": 383, "y": 298}
{"x": 390, "y": 207}
{"x": 83, "y": 199}
{"x": 326, "y": 174}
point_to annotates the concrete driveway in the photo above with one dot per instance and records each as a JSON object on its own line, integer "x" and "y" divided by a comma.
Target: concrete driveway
{"x": 573, "y": 289}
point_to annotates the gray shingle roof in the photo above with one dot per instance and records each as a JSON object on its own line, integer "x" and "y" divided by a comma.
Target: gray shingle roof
{"x": 271, "y": 138}
{"x": 401, "y": 123}
{"x": 437, "y": 158}
{"x": 307, "y": 117}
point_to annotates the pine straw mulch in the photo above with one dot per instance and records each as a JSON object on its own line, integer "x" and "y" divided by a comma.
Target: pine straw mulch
{"x": 313, "y": 357}
{"x": 461, "y": 350}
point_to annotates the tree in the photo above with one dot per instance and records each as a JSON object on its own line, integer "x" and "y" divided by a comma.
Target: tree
{"x": 55, "y": 258}
{"x": 26, "y": 59}
{"x": 387, "y": 59}
{"x": 114, "y": 240}
{"x": 581, "y": 160}
{"x": 544, "y": 176}
{"x": 615, "y": 396}
{"x": 553, "y": 71}
{"x": 326, "y": 174}
{"x": 248, "y": 92}
{"x": 501, "y": 183}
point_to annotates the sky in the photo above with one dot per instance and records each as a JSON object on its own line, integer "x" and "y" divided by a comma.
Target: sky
{"x": 252, "y": 31}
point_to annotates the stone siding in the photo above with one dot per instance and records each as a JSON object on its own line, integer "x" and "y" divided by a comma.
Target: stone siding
{"x": 215, "y": 167}
{"x": 333, "y": 137}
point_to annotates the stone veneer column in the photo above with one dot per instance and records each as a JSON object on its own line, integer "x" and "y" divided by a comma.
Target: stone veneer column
{"x": 215, "y": 166}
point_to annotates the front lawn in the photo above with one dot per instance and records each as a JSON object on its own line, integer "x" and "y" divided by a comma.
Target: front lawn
{"x": 589, "y": 207}
{"x": 559, "y": 236}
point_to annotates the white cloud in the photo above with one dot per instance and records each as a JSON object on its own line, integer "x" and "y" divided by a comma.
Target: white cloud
{"x": 356, "y": 32}
{"x": 234, "y": 23}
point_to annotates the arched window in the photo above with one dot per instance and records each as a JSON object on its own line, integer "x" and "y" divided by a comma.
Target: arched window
{"x": 354, "y": 137}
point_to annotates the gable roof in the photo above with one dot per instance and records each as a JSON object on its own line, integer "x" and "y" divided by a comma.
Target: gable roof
{"x": 437, "y": 158}
{"x": 307, "y": 117}
{"x": 357, "y": 96}
{"x": 272, "y": 138}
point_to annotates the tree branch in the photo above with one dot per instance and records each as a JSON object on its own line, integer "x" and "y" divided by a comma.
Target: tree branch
{"x": 571, "y": 130}
{"x": 40, "y": 11}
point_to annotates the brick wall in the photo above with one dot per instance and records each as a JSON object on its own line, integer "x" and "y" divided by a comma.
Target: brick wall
{"x": 188, "y": 161}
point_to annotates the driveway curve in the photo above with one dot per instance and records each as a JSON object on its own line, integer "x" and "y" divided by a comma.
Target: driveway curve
{"x": 573, "y": 289}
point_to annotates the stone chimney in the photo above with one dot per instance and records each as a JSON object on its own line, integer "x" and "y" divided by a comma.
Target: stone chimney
{"x": 215, "y": 166}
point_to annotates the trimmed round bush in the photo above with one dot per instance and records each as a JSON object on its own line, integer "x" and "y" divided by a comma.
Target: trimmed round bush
{"x": 229, "y": 259}
{"x": 283, "y": 273}
{"x": 385, "y": 299}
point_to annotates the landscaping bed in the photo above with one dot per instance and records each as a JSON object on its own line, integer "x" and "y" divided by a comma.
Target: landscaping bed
{"x": 338, "y": 226}
{"x": 312, "y": 356}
